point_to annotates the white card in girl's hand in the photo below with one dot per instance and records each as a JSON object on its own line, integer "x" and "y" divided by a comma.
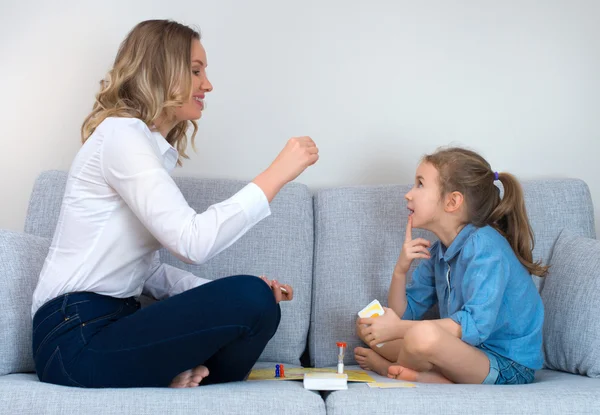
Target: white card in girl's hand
{"x": 373, "y": 309}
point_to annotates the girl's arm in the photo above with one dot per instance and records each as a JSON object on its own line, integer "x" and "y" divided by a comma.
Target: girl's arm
{"x": 421, "y": 295}
{"x": 411, "y": 302}
{"x": 397, "y": 293}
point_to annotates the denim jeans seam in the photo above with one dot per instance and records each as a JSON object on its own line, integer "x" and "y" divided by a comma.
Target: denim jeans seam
{"x": 54, "y": 330}
{"x": 105, "y": 317}
{"x": 64, "y": 371}
{"x": 80, "y": 328}
{"x": 512, "y": 373}
{"x": 78, "y": 302}
{"x": 62, "y": 367}
{"x": 48, "y": 364}
{"x": 46, "y": 318}
{"x": 522, "y": 372}
{"x": 49, "y": 303}
{"x": 54, "y": 312}
{"x": 510, "y": 378}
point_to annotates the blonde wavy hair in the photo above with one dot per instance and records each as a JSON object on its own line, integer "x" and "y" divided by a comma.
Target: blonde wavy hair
{"x": 151, "y": 76}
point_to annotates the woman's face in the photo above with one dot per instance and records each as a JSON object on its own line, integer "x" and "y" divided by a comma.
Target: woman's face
{"x": 192, "y": 110}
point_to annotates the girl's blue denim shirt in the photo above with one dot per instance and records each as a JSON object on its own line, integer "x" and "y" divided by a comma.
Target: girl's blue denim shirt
{"x": 479, "y": 283}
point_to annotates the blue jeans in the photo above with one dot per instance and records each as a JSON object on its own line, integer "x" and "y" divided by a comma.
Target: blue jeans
{"x": 89, "y": 340}
{"x": 504, "y": 371}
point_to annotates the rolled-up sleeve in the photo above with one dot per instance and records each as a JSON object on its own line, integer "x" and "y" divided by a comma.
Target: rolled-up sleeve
{"x": 131, "y": 167}
{"x": 483, "y": 286}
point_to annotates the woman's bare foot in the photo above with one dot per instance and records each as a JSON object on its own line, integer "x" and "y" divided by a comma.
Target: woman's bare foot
{"x": 367, "y": 359}
{"x": 190, "y": 378}
{"x": 404, "y": 373}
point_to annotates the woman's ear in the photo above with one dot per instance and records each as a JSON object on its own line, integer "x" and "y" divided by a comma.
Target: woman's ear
{"x": 453, "y": 202}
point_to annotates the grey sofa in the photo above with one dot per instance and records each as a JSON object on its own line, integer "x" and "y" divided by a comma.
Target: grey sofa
{"x": 337, "y": 247}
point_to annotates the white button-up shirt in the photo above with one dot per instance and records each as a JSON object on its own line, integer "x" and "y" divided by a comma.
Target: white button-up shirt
{"x": 121, "y": 205}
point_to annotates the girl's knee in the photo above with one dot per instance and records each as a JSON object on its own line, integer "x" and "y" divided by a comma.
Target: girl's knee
{"x": 422, "y": 338}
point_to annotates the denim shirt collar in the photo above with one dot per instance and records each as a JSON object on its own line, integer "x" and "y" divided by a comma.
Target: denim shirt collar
{"x": 457, "y": 244}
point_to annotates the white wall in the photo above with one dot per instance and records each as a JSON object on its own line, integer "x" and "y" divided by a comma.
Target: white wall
{"x": 375, "y": 85}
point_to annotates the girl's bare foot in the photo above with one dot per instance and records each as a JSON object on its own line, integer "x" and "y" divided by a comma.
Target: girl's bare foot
{"x": 190, "y": 378}
{"x": 404, "y": 373}
{"x": 367, "y": 359}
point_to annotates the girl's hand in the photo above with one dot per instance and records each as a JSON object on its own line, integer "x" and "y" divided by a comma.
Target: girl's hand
{"x": 359, "y": 330}
{"x": 287, "y": 294}
{"x": 411, "y": 249}
{"x": 375, "y": 330}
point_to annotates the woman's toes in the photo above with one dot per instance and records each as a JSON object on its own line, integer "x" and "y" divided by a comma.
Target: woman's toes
{"x": 190, "y": 378}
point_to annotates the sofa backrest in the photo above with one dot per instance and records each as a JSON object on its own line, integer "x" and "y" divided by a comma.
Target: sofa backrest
{"x": 359, "y": 233}
{"x": 281, "y": 247}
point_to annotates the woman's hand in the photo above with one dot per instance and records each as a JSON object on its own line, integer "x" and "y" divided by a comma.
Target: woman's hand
{"x": 282, "y": 292}
{"x": 296, "y": 156}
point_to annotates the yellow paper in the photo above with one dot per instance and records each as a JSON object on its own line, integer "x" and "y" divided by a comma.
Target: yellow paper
{"x": 373, "y": 309}
{"x": 298, "y": 374}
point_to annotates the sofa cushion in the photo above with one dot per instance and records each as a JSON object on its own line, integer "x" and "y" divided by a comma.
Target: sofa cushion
{"x": 280, "y": 246}
{"x": 21, "y": 259}
{"x": 551, "y": 393}
{"x": 23, "y": 394}
{"x": 571, "y": 298}
{"x": 359, "y": 233}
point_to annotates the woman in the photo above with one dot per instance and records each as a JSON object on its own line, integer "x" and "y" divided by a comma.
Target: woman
{"x": 120, "y": 206}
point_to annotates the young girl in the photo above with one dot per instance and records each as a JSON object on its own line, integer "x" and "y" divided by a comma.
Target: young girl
{"x": 120, "y": 206}
{"x": 478, "y": 273}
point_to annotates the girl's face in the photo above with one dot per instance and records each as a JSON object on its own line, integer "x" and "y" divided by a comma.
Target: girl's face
{"x": 424, "y": 202}
{"x": 192, "y": 110}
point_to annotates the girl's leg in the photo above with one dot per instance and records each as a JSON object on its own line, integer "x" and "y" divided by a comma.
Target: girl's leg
{"x": 223, "y": 325}
{"x": 431, "y": 354}
{"x": 388, "y": 351}
{"x": 378, "y": 359}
